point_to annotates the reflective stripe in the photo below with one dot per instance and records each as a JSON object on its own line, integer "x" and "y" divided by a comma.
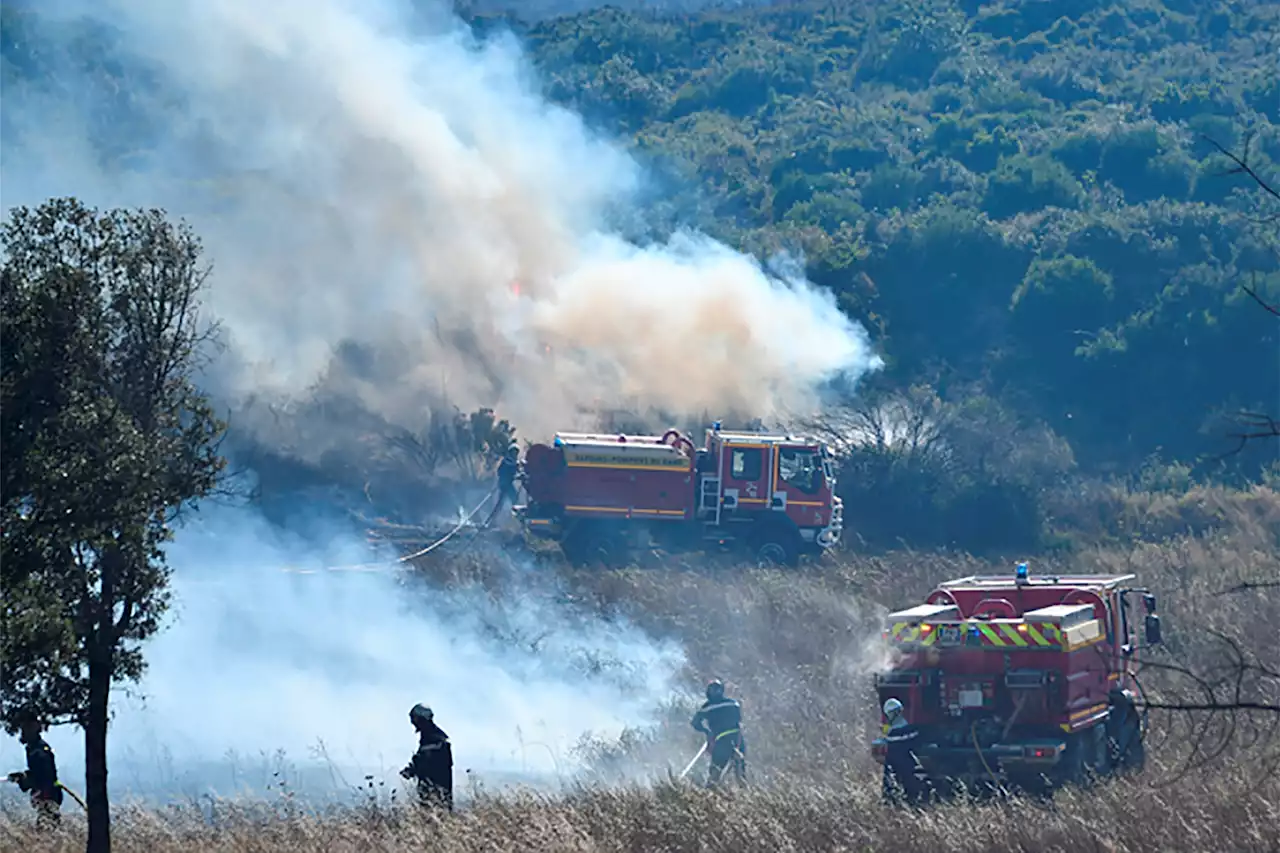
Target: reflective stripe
{"x": 1011, "y": 631}
{"x": 1024, "y": 635}
{"x": 727, "y": 732}
{"x": 905, "y": 632}
{"x": 728, "y": 703}
{"x": 1036, "y": 637}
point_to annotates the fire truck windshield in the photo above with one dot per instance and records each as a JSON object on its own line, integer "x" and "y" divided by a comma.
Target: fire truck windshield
{"x": 799, "y": 469}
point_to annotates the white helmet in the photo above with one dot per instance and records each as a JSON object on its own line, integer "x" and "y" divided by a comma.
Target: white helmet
{"x": 892, "y": 708}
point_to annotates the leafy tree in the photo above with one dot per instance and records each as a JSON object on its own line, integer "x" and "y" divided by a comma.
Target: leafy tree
{"x": 105, "y": 440}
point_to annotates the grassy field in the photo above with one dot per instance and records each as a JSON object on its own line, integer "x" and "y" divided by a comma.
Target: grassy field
{"x": 798, "y": 648}
{"x": 1220, "y": 812}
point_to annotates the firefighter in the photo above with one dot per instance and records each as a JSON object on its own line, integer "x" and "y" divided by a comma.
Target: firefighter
{"x": 508, "y": 469}
{"x": 432, "y": 764}
{"x": 720, "y": 719}
{"x": 40, "y": 779}
{"x": 900, "y": 776}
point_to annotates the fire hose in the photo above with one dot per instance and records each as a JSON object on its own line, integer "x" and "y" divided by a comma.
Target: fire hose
{"x": 461, "y": 524}
{"x": 973, "y": 733}
{"x": 416, "y": 554}
{"x": 16, "y": 777}
{"x": 694, "y": 761}
{"x": 74, "y": 796}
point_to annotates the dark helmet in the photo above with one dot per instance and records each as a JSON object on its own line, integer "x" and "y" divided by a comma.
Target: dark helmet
{"x": 513, "y": 452}
{"x": 715, "y": 690}
{"x": 30, "y": 730}
{"x": 420, "y": 715}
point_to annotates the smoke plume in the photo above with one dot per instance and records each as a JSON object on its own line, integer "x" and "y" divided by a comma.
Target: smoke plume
{"x": 367, "y": 173}
{"x": 270, "y": 651}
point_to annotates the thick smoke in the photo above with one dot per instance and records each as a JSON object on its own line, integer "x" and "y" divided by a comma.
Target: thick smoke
{"x": 270, "y": 652}
{"x": 366, "y": 172}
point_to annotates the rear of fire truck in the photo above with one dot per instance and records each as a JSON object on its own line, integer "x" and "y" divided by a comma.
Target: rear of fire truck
{"x": 1019, "y": 681}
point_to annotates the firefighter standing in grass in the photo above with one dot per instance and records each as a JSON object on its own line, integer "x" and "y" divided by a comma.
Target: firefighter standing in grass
{"x": 720, "y": 719}
{"x": 900, "y": 779}
{"x": 40, "y": 779}
{"x": 508, "y": 470}
{"x": 432, "y": 764}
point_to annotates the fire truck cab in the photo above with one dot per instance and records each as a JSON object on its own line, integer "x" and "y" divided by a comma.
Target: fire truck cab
{"x": 1021, "y": 680}
{"x": 781, "y": 485}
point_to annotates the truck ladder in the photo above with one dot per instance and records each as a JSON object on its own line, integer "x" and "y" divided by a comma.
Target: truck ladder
{"x": 709, "y": 498}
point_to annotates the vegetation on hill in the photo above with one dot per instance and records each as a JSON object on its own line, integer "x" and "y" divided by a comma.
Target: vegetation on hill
{"x": 1014, "y": 193}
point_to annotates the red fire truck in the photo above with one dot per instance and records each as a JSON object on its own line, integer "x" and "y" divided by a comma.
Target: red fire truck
{"x": 1019, "y": 680}
{"x": 600, "y": 496}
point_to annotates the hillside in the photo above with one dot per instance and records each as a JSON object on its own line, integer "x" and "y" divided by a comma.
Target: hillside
{"x": 1024, "y": 194}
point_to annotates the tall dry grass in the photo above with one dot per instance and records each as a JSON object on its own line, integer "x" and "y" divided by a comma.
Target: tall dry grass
{"x": 1228, "y": 811}
{"x": 798, "y": 647}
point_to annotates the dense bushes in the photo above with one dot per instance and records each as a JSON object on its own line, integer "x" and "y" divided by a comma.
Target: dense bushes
{"x": 1024, "y": 185}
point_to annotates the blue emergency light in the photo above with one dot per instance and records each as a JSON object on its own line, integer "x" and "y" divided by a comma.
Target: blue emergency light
{"x": 1021, "y": 573}
{"x": 559, "y": 442}
{"x": 715, "y": 425}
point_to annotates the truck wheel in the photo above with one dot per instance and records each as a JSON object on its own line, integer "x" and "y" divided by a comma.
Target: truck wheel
{"x": 589, "y": 543}
{"x": 772, "y": 552}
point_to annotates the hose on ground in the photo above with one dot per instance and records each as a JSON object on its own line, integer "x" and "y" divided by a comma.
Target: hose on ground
{"x": 408, "y": 557}
{"x": 450, "y": 534}
{"x": 973, "y": 733}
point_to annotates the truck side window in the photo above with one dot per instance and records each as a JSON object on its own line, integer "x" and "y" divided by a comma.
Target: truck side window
{"x": 746, "y": 464}
{"x": 799, "y": 469}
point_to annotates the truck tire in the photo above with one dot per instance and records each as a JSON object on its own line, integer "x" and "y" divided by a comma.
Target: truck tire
{"x": 589, "y": 543}
{"x": 776, "y": 550}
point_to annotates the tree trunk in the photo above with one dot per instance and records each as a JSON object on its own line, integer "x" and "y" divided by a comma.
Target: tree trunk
{"x": 95, "y": 751}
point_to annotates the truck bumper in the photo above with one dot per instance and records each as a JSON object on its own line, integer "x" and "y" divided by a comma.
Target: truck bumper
{"x": 959, "y": 762}
{"x": 829, "y": 536}
{"x": 536, "y": 525}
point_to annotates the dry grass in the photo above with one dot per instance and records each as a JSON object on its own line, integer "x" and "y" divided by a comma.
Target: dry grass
{"x": 798, "y": 648}
{"x": 1225, "y": 812}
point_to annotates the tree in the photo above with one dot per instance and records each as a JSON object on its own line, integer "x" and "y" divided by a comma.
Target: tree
{"x": 105, "y": 440}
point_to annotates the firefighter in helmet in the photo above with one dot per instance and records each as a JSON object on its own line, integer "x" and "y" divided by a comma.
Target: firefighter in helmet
{"x": 901, "y": 781}
{"x": 432, "y": 764}
{"x": 508, "y": 471}
{"x": 720, "y": 719}
{"x": 40, "y": 779}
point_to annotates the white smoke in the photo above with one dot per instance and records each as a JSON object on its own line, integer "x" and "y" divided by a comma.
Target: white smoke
{"x": 258, "y": 660}
{"x": 363, "y": 174}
